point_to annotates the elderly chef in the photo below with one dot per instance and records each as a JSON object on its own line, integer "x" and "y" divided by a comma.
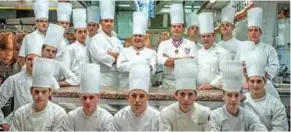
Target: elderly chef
{"x": 18, "y": 85}
{"x": 228, "y": 42}
{"x": 137, "y": 51}
{"x": 138, "y": 116}
{"x": 89, "y": 117}
{"x": 270, "y": 110}
{"x": 93, "y": 18}
{"x": 192, "y": 29}
{"x": 41, "y": 115}
{"x": 231, "y": 116}
{"x": 210, "y": 56}
{"x": 41, "y": 13}
{"x": 255, "y": 18}
{"x": 176, "y": 47}
{"x": 104, "y": 47}
{"x": 185, "y": 115}
{"x": 64, "y": 11}
{"x": 77, "y": 53}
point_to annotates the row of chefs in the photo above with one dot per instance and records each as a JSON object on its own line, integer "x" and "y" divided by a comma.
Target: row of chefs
{"x": 261, "y": 111}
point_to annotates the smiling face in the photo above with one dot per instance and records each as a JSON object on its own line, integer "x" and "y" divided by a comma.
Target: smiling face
{"x": 186, "y": 99}
{"x": 138, "y": 41}
{"x": 137, "y": 99}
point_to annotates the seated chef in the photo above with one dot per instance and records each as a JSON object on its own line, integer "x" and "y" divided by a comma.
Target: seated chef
{"x": 185, "y": 115}
{"x": 89, "y": 117}
{"x": 138, "y": 116}
{"x": 41, "y": 115}
{"x": 232, "y": 117}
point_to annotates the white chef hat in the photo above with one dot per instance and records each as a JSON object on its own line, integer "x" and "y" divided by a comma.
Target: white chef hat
{"x": 139, "y": 76}
{"x": 244, "y": 47}
{"x": 256, "y": 62}
{"x": 191, "y": 19}
{"x": 205, "y": 23}
{"x": 140, "y": 23}
{"x": 227, "y": 14}
{"x": 93, "y": 14}
{"x": 232, "y": 75}
{"x": 79, "y": 18}
{"x": 54, "y": 35}
{"x": 185, "y": 72}
{"x": 177, "y": 13}
{"x": 90, "y": 78}
{"x": 32, "y": 46}
{"x": 41, "y": 9}
{"x": 255, "y": 17}
{"x": 64, "y": 11}
{"x": 42, "y": 73}
{"x": 107, "y": 9}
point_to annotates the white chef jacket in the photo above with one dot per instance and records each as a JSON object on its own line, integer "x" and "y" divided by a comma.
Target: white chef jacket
{"x": 272, "y": 62}
{"x": 125, "y": 120}
{"x": 269, "y": 87}
{"x": 222, "y": 120}
{"x": 49, "y": 119}
{"x": 127, "y": 56}
{"x": 209, "y": 62}
{"x": 270, "y": 110}
{"x": 100, "y": 120}
{"x": 62, "y": 46}
{"x": 17, "y": 86}
{"x": 173, "y": 119}
{"x": 186, "y": 49}
{"x": 231, "y": 45}
{"x": 63, "y": 73}
{"x": 74, "y": 56}
{"x": 35, "y": 36}
{"x": 98, "y": 47}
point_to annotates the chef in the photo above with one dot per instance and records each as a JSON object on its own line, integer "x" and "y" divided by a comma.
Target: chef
{"x": 41, "y": 13}
{"x": 210, "y": 56}
{"x": 231, "y": 116}
{"x": 176, "y": 47}
{"x": 192, "y": 29}
{"x": 185, "y": 115}
{"x": 64, "y": 11}
{"x": 76, "y": 53}
{"x": 137, "y": 51}
{"x": 227, "y": 25}
{"x": 89, "y": 117}
{"x": 270, "y": 110}
{"x": 255, "y": 18}
{"x": 93, "y": 18}
{"x": 138, "y": 116}
{"x": 41, "y": 114}
{"x": 104, "y": 47}
{"x": 18, "y": 85}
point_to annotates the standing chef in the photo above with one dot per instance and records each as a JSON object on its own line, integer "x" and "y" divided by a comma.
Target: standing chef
{"x": 176, "y": 47}
{"x": 93, "y": 18}
{"x": 138, "y": 51}
{"x": 210, "y": 56}
{"x": 193, "y": 29}
{"x": 104, "y": 47}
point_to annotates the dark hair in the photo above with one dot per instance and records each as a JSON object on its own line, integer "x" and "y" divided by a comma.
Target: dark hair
{"x": 44, "y": 46}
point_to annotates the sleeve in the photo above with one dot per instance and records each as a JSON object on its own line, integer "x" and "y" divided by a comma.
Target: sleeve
{"x": 254, "y": 123}
{"x": 153, "y": 63}
{"x": 59, "y": 119}
{"x": 194, "y": 50}
{"x": 123, "y": 64}
{"x": 115, "y": 125}
{"x": 68, "y": 124}
{"x": 156, "y": 123}
{"x": 107, "y": 121}
{"x": 17, "y": 121}
{"x": 273, "y": 63}
{"x": 69, "y": 76}
{"x": 206, "y": 113}
{"x": 164, "y": 121}
{"x": 22, "y": 48}
{"x": 97, "y": 52}
{"x": 213, "y": 121}
{"x": 6, "y": 92}
{"x": 279, "y": 119}
{"x": 161, "y": 50}
{"x": 66, "y": 59}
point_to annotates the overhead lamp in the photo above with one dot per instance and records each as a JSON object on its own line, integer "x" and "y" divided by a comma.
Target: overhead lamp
{"x": 212, "y": 1}
{"x": 123, "y": 5}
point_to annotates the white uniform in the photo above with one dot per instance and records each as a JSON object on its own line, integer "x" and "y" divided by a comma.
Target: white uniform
{"x": 17, "y": 86}
{"x": 75, "y": 55}
{"x": 186, "y": 49}
{"x": 269, "y": 87}
{"x": 230, "y": 45}
{"x": 172, "y": 119}
{"x": 62, "y": 46}
{"x": 209, "y": 65}
{"x": 98, "y": 47}
{"x": 222, "y": 120}
{"x": 270, "y": 110}
{"x": 125, "y": 120}
{"x": 76, "y": 120}
{"x": 64, "y": 73}
{"x": 128, "y": 55}
{"x": 49, "y": 119}
{"x": 35, "y": 36}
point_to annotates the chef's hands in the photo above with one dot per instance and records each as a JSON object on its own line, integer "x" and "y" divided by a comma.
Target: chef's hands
{"x": 5, "y": 127}
{"x": 206, "y": 87}
{"x": 171, "y": 61}
{"x": 113, "y": 54}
